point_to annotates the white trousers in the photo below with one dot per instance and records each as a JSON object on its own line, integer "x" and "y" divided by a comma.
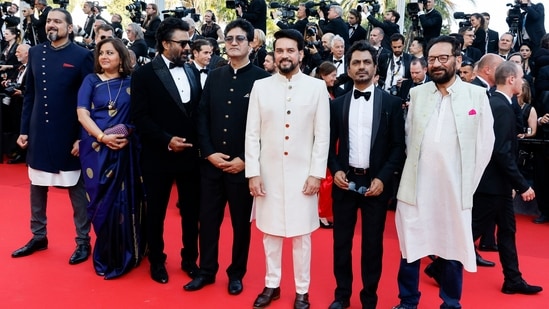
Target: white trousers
{"x": 301, "y": 259}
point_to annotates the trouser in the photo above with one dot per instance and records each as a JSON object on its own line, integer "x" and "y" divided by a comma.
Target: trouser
{"x": 301, "y": 254}
{"x": 77, "y": 195}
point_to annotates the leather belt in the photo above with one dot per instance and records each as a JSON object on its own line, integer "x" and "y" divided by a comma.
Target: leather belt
{"x": 358, "y": 171}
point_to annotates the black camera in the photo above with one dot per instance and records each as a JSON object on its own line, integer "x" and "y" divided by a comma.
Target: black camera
{"x": 311, "y": 31}
{"x": 372, "y": 5}
{"x": 180, "y": 12}
{"x": 11, "y": 87}
{"x": 62, "y": 3}
{"x": 316, "y": 44}
{"x": 233, "y": 4}
{"x": 5, "y": 6}
{"x": 514, "y": 15}
{"x": 466, "y": 22}
{"x": 286, "y": 11}
{"x": 324, "y": 6}
{"x": 136, "y": 8}
{"x": 393, "y": 90}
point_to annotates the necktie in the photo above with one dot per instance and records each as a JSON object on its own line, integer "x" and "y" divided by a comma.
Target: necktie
{"x": 175, "y": 65}
{"x": 357, "y": 94}
{"x": 205, "y": 71}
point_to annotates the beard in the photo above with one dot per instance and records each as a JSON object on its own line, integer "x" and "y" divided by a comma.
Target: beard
{"x": 178, "y": 57}
{"x": 285, "y": 69}
{"x": 53, "y": 36}
{"x": 447, "y": 75}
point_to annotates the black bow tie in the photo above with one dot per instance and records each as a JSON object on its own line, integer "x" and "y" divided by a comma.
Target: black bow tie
{"x": 175, "y": 65}
{"x": 205, "y": 71}
{"x": 352, "y": 27}
{"x": 338, "y": 61}
{"x": 357, "y": 94}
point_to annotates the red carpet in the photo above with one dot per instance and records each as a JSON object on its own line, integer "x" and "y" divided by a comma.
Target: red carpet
{"x": 45, "y": 279}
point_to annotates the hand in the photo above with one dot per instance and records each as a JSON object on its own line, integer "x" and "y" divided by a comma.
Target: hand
{"x": 177, "y": 144}
{"x": 420, "y": 4}
{"x": 17, "y": 93}
{"x": 320, "y": 13}
{"x": 312, "y": 50}
{"x": 399, "y": 82}
{"x": 311, "y": 186}
{"x": 340, "y": 180}
{"x": 234, "y": 166}
{"x": 543, "y": 120}
{"x": 239, "y": 11}
{"x": 256, "y": 186}
{"x": 115, "y": 141}
{"x": 23, "y": 141}
{"x": 376, "y": 188}
{"x": 218, "y": 159}
{"x": 274, "y": 14}
{"x": 528, "y": 195}
{"x": 75, "y": 151}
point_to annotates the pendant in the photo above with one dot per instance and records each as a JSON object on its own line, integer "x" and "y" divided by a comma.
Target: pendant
{"x": 110, "y": 104}
{"x": 112, "y": 112}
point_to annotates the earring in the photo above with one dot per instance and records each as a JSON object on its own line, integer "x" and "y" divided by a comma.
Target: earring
{"x": 120, "y": 68}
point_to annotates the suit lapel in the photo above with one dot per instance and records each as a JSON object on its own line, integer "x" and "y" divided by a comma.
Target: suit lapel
{"x": 345, "y": 120}
{"x": 163, "y": 73}
{"x": 376, "y": 117}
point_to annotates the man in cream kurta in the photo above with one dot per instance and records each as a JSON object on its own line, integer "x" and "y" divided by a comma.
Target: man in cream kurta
{"x": 449, "y": 139}
{"x": 287, "y": 140}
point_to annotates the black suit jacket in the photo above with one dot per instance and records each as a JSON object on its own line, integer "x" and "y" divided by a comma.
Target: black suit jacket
{"x": 384, "y": 62}
{"x": 41, "y": 25}
{"x": 388, "y": 27}
{"x": 407, "y": 84}
{"x": 387, "y": 144}
{"x": 493, "y": 39}
{"x": 431, "y": 24}
{"x": 159, "y": 114}
{"x": 358, "y": 34}
{"x": 257, "y": 14}
{"x": 535, "y": 23}
{"x": 299, "y": 25}
{"x": 474, "y": 54}
{"x": 336, "y": 26}
{"x": 480, "y": 40}
{"x": 502, "y": 173}
{"x": 139, "y": 47}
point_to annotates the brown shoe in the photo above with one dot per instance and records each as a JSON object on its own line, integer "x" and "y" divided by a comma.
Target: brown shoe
{"x": 265, "y": 298}
{"x": 302, "y": 301}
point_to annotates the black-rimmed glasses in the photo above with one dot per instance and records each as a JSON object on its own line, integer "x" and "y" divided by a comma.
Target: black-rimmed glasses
{"x": 441, "y": 58}
{"x": 183, "y": 43}
{"x": 238, "y": 38}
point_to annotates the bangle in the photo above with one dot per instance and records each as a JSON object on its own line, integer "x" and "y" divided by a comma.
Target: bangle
{"x": 100, "y": 137}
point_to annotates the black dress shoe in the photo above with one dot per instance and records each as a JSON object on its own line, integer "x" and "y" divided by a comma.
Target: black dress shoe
{"x": 198, "y": 283}
{"x": 302, "y": 301}
{"x": 520, "y": 288}
{"x": 541, "y": 219}
{"x": 432, "y": 271}
{"x": 339, "y": 304}
{"x": 488, "y": 248}
{"x": 81, "y": 254}
{"x": 484, "y": 263}
{"x": 16, "y": 159}
{"x": 32, "y": 246}
{"x": 159, "y": 273}
{"x": 265, "y": 298}
{"x": 235, "y": 287}
{"x": 191, "y": 269}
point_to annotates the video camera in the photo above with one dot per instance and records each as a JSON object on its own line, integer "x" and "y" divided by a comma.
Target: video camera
{"x": 514, "y": 15}
{"x": 136, "y": 8}
{"x": 412, "y": 8}
{"x": 286, "y": 11}
{"x": 180, "y": 12}
{"x": 466, "y": 22}
{"x": 4, "y": 7}
{"x": 62, "y": 3}
{"x": 233, "y": 4}
{"x": 372, "y": 5}
{"x": 324, "y": 6}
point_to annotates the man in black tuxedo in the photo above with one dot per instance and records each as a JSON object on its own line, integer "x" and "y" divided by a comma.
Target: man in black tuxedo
{"x": 532, "y": 24}
{"x": 493, "y": 198}
{"x": 362, "y": 172}
{"x": 201, "y": 55}
{"x": 469, "y": 52}
{"x": 492, "y": 36}
{"x": 389, "y": 25}
{"x": 300, "y": 25}
{"x": 165, "y": 96}
{"x": 221, "y": 130}
{"x": 430, "y": 19}
{"x": 395, "y": 66}
{"x": 43, "y": 9}
{"x": 335, "y": 23}
{"x": 356, "y": 31}
{"x": 418, "y": 74}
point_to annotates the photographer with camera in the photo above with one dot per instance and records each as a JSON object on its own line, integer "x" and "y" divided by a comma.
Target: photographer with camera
{"x": 255, "y": 13}
{"x": 335, "y": 23}
{"x": 430, "y": 19}
{"x": 314, "y": 51}
{"x": 43, "y": 9}
{"x": 531, "y": 23}
{"x": 87, "y": 30}
{"x": 394, "y": 67}
{"x": 28, "y": 24}
{"x": 302, "y": 15}
{"x": 389, "y": 24}
{"x": 149, "y": 26}
{"x": 8, "y": 18}
{"x": 136, "y": 41}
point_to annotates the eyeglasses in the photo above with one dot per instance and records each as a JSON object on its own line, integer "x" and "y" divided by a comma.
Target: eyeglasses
{"x": 105, "y": 37}
{"x": 441, "y": 58}
{"x": 183, "y": 43}
{"x": 352, "y": 187}
{"x": 238, "y": 38}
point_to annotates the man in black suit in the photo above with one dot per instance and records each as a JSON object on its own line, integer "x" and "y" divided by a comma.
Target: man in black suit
{"x": 335, "y": 23}
{"x": 256, "y": 14}
{"x": 8, "y": 18}
{"x": 137, "y": 41}
{"x": 532, "y": 24}
{"x": 362, "y": 172}
{"x": 43, "y": 9}
{"x": 165, "y": 96}
{"x": 300, "y": 25}
{"x": 492, "y": 36}
{"x": 389, "y": 25}
{"x": 201, "y": 55}
{"x": 356, "y": 31}
{"x": 395, "y": 66}
{"x": 221, "y": 130}
{"x": 469, "y": 52}
{"x": 493, "y": 198}
{"x": 430, "y": 19}
{"x": 418, "y": 74}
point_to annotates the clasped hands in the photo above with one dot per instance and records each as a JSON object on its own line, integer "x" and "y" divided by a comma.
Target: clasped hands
{"x": 222, "y": 162}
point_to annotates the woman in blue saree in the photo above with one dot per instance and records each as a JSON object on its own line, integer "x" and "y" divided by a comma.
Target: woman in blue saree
{"x": 109, "y": 157}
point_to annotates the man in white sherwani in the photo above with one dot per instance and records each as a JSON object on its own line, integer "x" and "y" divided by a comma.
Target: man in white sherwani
{"x": 449, "y": 140}
{"x": 287, "y": 140}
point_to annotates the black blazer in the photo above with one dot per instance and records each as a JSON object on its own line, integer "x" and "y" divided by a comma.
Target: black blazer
{"x": 472, "y": 53}
{"x": 407, "y": 84}
{"x": 336, "y": 26}
{"x": 256, "y": 14}
{"x": 159, "y": 114}
{"x": 387, "y": 145}
{"x": 359, "y": 34}
{"x": 493, "y": 39}
{"x": 431, "y": 24}
{"x": 502, "y": 173}
{"x": 534, "y": 24}
{"x": 384, "y": 61}
{"x": 139, "y": 47}
{"x": 41, "y": 25}
{"x": 299, "y": 25}
{"x": 480, "y": 40}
